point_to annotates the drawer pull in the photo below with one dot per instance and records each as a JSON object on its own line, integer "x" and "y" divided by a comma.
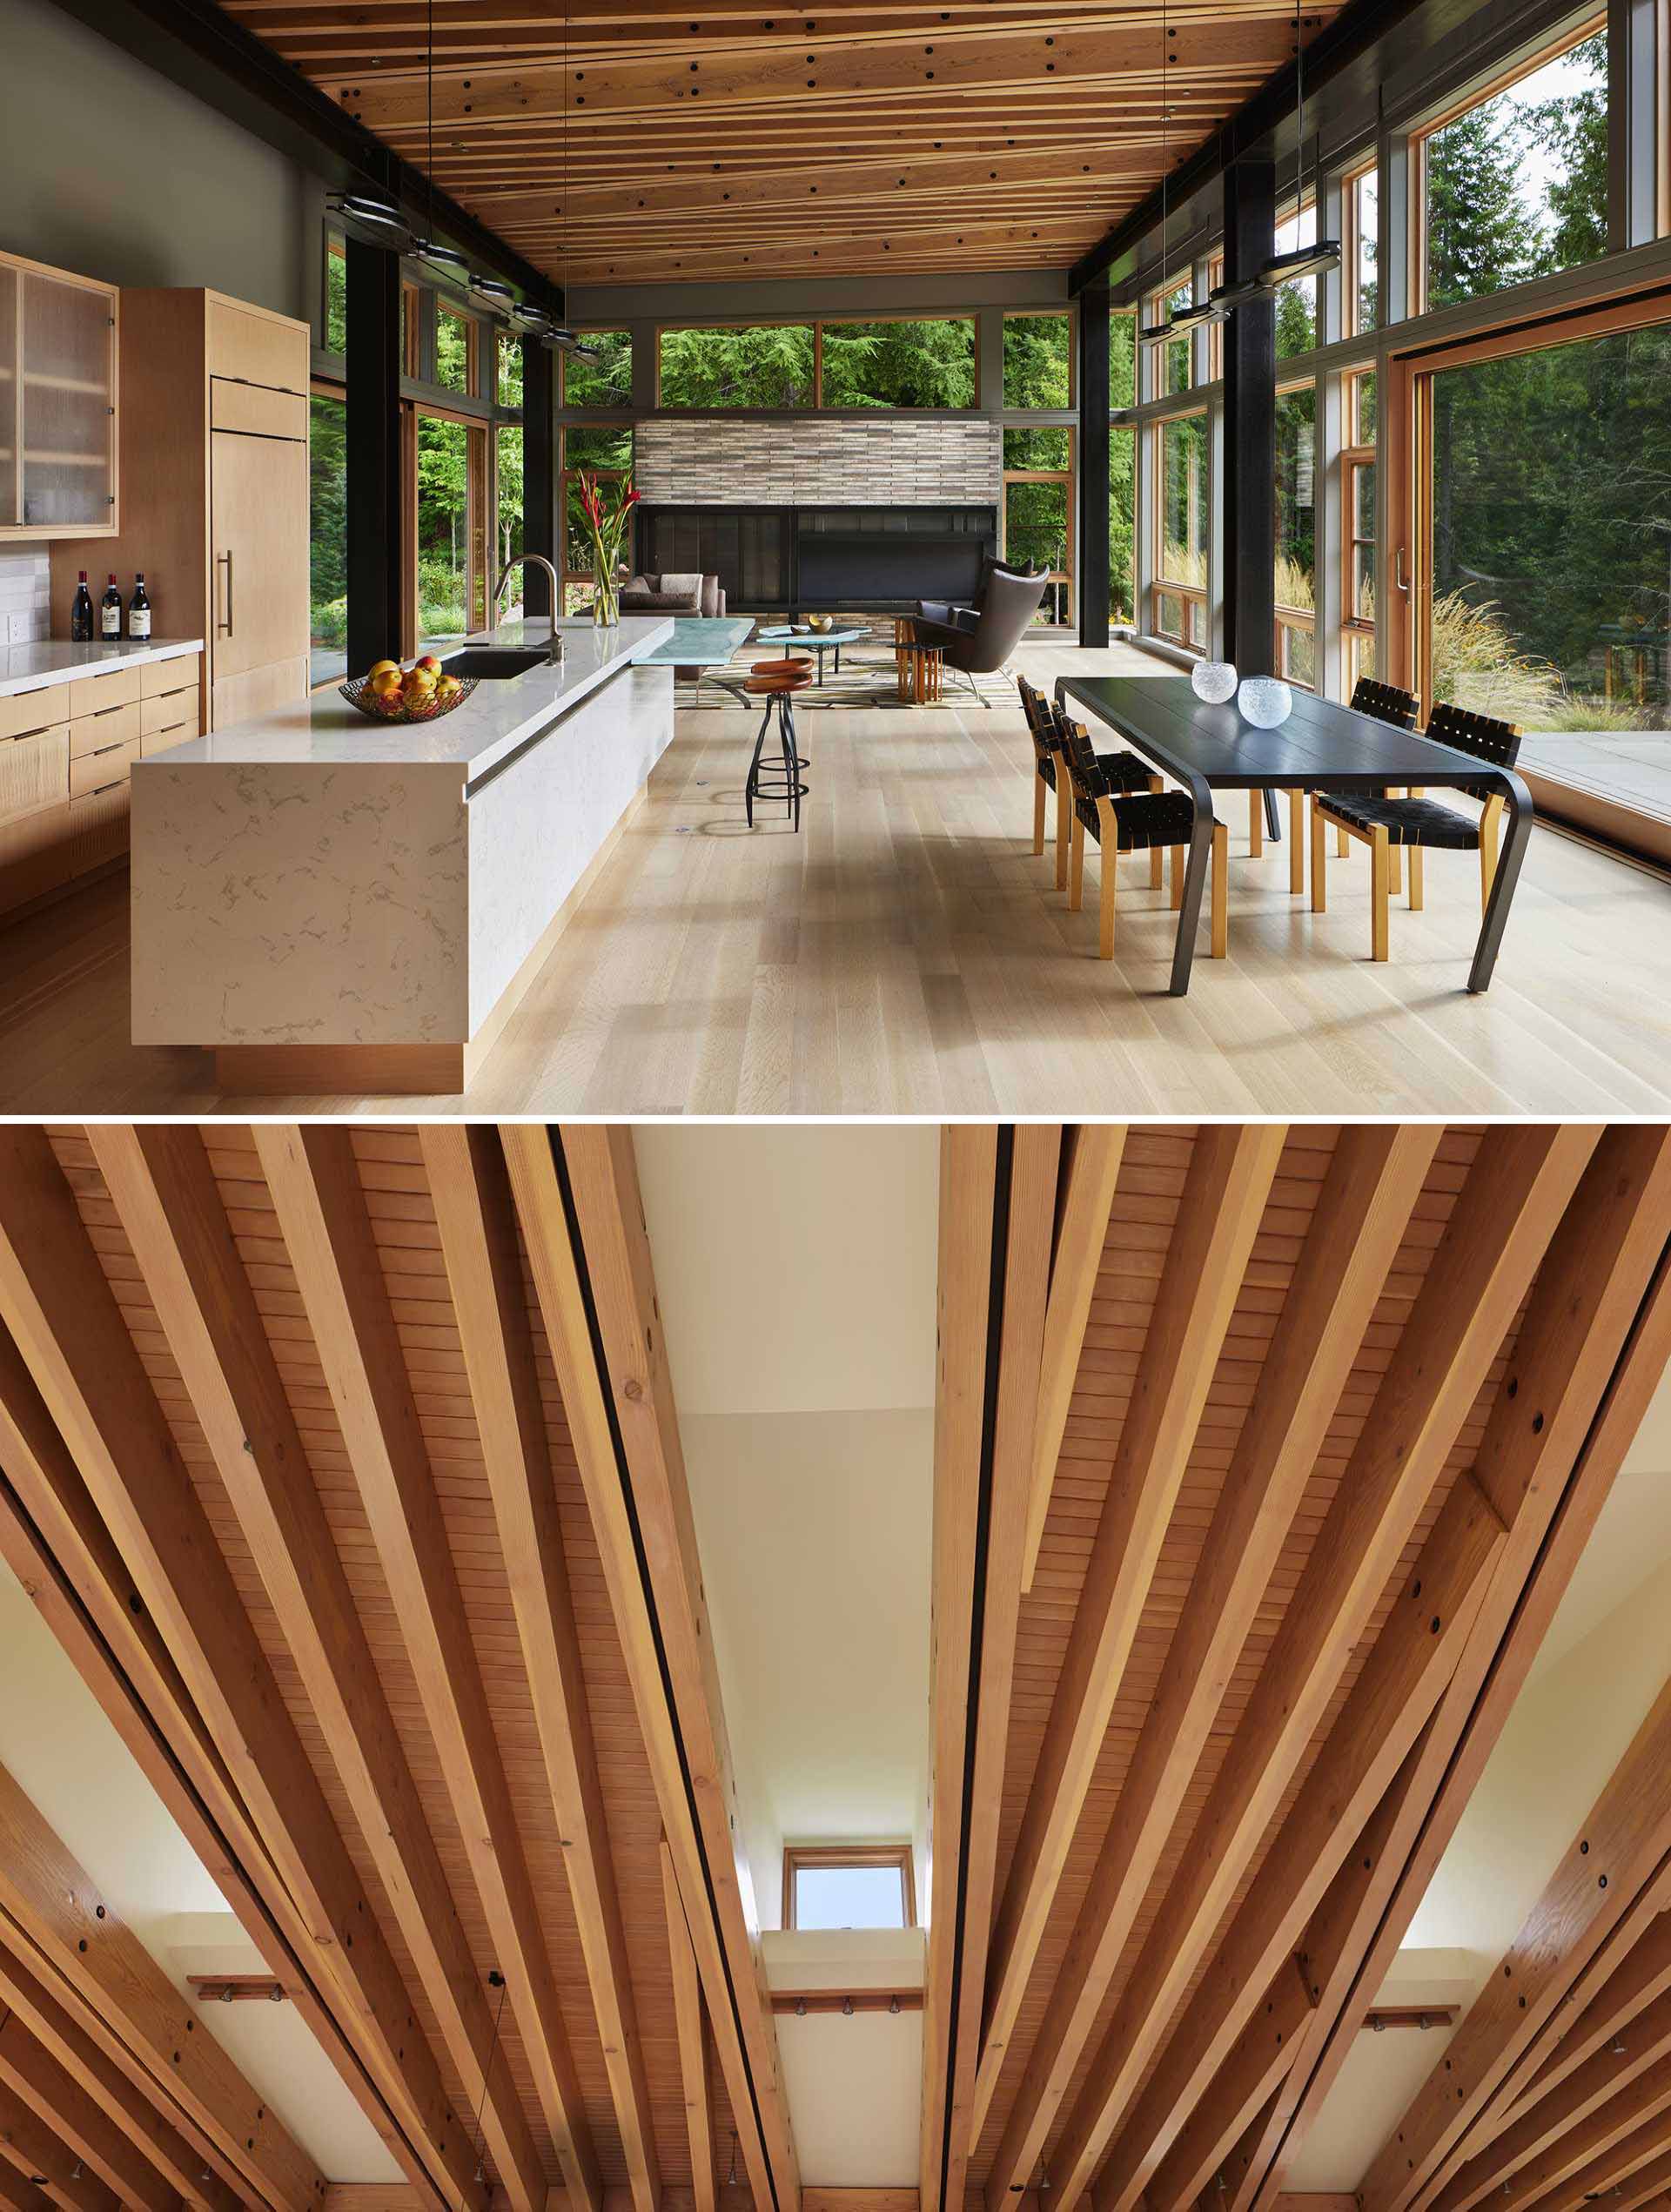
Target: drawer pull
{"x": 114, "y": 747}
{"x": 99, "y": 790}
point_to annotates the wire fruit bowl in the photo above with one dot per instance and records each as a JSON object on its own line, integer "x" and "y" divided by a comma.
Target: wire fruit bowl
{"x": 397, "y": 707}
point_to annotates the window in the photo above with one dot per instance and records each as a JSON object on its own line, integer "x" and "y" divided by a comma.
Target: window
{"x": 1358, "y": 528}
{"x": 1174, "y": 362}
{"x": 1038, "y": 512}
{"x": 1360, "y": 196}
{"x": 1296, "y": 573}
{"x": 849, "y": 1886}
{"x": 760, "y": 364}
{"x": 897, "y": 363}
{"x": 1297, "y": 300}
{"x": 605, "y": 379}
{"x": 453, "y": 548}
{"x": 1180, "y": 592}
{"x": 1122, "y": 359}
{"x": 1121, "y": 542}
{"x": 336, "y": 294}
{"x": 508, "y": 389}
{"x": 1544, "y": 573}
{"x": 1038, "y": 360}
{"x": 455, "y": 349}
{"x": 507, "y": 493}
{"x": 1515, "y": 186}
{"x": 327, "y": 469}
{"x": 606, "y": 450}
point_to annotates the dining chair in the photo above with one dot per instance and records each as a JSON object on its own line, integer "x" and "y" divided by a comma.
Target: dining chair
{"x": 1387, "y": 825}
{"x": 1123, "y": 771}
{"x": 1129, "y": 821}
{"x": 1386, "y": 703}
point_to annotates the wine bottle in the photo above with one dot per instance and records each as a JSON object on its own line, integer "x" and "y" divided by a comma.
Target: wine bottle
{"x": 110, "y": 611}
{"x": 81, "y": 614}
{"x": 139, "y": 608}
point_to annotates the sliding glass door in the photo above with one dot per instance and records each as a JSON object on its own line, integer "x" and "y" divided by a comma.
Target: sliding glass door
{"x": 1542, "y": 584}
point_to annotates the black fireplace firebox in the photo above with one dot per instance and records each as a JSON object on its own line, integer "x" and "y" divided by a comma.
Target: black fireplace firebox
{"x": 768, "y": 560}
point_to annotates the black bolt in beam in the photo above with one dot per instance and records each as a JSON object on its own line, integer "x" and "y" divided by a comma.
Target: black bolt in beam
{"x": 1353, "y": 35}
{"x": 376, "y": 583}
{"x": 208, "y": 53}
{"x": 1093, "y": 563}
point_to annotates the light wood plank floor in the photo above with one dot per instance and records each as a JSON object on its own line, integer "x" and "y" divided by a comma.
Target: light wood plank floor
{"x": 906, "y": 954}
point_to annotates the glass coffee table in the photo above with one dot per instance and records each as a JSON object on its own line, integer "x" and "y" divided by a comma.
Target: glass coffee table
{"x": 811, "y": 640}
{"x": 701, "y": 643}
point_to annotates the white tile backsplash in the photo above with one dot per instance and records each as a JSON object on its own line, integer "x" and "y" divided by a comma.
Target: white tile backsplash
{"x": 25, "y": 597}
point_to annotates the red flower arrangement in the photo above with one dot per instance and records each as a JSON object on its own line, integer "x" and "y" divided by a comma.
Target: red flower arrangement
{"x": 607, "y": 519}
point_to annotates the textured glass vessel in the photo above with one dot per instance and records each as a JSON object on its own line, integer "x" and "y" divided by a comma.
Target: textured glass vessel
{"x": 1213, "y": 680}
{"x": 1264, "y": 700}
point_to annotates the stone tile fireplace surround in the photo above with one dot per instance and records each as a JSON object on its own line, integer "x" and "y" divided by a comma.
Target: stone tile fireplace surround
{"x": 762, "y": 461}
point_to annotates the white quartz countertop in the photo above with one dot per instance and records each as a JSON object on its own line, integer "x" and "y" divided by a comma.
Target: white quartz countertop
{"x": 499, "y": 715}
{"x": 55, "y": 660}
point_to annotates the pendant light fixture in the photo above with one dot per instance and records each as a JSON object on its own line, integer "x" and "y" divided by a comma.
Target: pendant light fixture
{"x": 1323, "y": 253}
{"x": 1158, "y": 333}
{"x": 371, "y": 216}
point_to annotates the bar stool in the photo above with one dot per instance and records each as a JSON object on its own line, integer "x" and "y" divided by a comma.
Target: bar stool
{"x": 776, "y": 681}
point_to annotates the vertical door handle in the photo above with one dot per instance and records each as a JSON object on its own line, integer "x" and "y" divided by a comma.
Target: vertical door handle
{"x": 227, "y": 624}
{"x": 1400, "y": 580}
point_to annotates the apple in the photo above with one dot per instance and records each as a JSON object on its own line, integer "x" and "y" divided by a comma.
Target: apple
{"x": 448, "y": 687}
{"x": 429, "y": 663}
{"x": 384, "y": 682}
{"x": 384, "y": 668}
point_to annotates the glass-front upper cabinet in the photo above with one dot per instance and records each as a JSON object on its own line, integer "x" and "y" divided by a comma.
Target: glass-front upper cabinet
{"x": 57, "y": 403}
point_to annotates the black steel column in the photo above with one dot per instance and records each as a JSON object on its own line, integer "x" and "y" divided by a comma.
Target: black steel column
{"x": 1248, "y": 499}
{"x": 1092, "y": 574}
{"x": 376, "y": 578}
{"x": 538, "y": 472}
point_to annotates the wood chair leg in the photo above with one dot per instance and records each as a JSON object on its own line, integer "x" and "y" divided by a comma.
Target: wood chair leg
{"x": 1064, "y": 825}
{"x": 1180, "y": 860}
{"x": 1220, "y": 938}
{"x": 1076, "y": 867}
{"x": 1342, "y": 846}
{"x": 1296, "y": 842}
{"x": 1488, "y": 827}
{"x": 1255, "y": 824}
{"x": 1416, "y": 885}
{"x": 1380, "y": 876}
{"x": 1320, "y": 873}
{"x": 1155, "y": 857}
{"x": 1105, "y": 908}
{"x": 1038, "y": 813}
{"x": 1396, "y": 875}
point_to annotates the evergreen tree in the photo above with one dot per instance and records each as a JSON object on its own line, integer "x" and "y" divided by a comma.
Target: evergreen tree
{"x": 1574, "y": 127}
{"x": 1481, "y": 235}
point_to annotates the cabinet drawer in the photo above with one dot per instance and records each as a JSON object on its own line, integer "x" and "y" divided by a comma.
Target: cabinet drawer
{"x": 181, "y": 674}
{"x": 92, "y": 733}
{"x": 90, "y": 695}
{"x": 256, "y": 410}
{"x": 98, "y": 829}
{"x": 43, "y": 710}
{"x": 255, "y": 349}
{"x": 103, "y": 771}
{"x": 169, "y": 712}
{"x": 35, "y": 856}
{"x": 34, "y": 771}
{"x": 178, "y": 733}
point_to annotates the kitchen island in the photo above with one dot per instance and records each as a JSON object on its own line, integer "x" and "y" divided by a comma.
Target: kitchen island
{"x": 332, "y": 903}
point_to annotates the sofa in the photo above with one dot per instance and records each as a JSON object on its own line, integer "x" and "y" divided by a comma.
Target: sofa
{"x": 672, "y": 594}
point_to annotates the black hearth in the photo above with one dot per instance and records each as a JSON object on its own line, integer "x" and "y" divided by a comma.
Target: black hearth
{"x": 771, "y": 559}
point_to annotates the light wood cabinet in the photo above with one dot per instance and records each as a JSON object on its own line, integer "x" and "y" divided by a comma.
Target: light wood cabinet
{"x": 259, "y": 523}
{"x": 58, "y": 374}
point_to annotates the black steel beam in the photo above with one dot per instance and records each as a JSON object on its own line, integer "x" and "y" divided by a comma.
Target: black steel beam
{"x": 1093, "y": 457}
{"x": 1350, "y": 36}
{"x": 1247, "y": 495}
{"x": 540, "y": 518}
{"x": 376, "y": 583}
{"x": 207, "y": 51}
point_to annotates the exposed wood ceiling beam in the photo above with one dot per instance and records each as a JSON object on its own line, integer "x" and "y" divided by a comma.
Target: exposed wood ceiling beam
{"x": 61, "y": 1313}
{"x": 477, "y": 1218}
{"x": 1219, "y": 1217}
{"x": 1508, "y": 1209}
{"x": 1636, "y": 1983}
{"x": 30, "y": 2145}
{"x": 94, "y": 2135}
{"x": 582, "y": 1223}
{"x": 690, "y": 2024}
{"x": 1242, "y": 2090}
{"x": 1595, "y": 1337}
{"x": 1362, "y": 1215}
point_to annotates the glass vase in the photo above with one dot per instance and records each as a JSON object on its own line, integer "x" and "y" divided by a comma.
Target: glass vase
{"x": 606, "y": 595}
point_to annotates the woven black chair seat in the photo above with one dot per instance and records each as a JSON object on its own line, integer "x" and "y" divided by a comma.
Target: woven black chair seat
{"x": 1045, "y": 763}
{"x": 1408, "y": 821}
{"x": 1125, "y": 772}
{"x": 1145, "y": 818}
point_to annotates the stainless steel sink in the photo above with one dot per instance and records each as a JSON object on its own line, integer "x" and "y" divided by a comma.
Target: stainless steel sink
{"x": 496, "y": 660}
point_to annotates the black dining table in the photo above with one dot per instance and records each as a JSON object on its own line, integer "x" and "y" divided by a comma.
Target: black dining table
{"x": 1321, "y": 747}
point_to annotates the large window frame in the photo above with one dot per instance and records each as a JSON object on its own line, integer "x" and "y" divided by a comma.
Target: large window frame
{"x": 1192, "y": 628}
{"x": 1294, "y": 622}
{"x": 817, "y": 324}
{"x": 1066, "y": 477}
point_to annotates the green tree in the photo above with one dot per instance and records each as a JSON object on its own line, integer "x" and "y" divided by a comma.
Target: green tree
{"x": 930, "y": 363}
{"x": 1574, "y": 128}
{"x": 1481, "y": 234}
{"x": 765, "y": 365}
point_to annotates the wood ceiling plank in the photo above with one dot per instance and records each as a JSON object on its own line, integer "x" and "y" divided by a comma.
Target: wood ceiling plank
{"x": 93, "y": 2134}
{"x": 29, "y": 2143}
{"x": 594, "y": 1270}
{"x": 1244, "y": 2084}
{"x": 1229, "y": 1181}
{"x": 968, "y": 1184}
{"x": 321, "y": 1209}
{"x": 1617, "y": 1850}
{"x": 1593, "y": 1336}
{"x": 139, "y": 2112}
{"x": 1566, "y": 2138}
{"x": 1033, "y": 1175}
{"x": 1638, "y": 1982}
{"x": 70, "y": 1569}
{"x": 691, "y": 2026}
{"x": 64, "y": 1318}
{"x": 477, "y": 1220}
{"x": 165, "y": 1195}
{"x": 1373, "y": 1181}
{"x": 1508, "y": 1208}
{"x": 1092, "y": 1166}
